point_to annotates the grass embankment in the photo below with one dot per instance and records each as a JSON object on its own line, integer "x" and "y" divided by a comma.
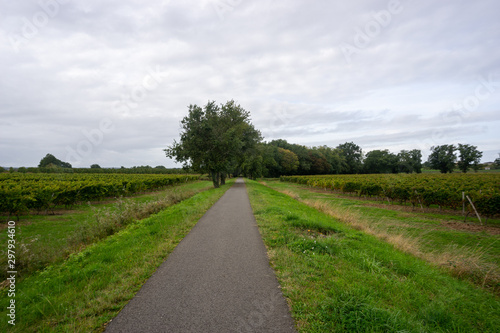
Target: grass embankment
{"x": 338, "y": 279}
{"x": 45, "y": 239}
{"x": 466, "y": 250}
{"x": 88, "y": 289}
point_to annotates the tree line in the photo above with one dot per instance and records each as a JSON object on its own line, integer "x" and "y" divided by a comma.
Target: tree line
{"x": 221, "y": 140}
{"x": 51, "y": 164}
{"x": 282, "y": 158}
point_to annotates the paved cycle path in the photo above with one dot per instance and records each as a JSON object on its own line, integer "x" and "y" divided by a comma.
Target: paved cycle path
{"x": 217, "y": 279}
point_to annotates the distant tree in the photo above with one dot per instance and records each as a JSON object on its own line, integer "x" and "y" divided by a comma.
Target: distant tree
{"x": 270, "y": 158}
{"x": 380, "y": 161}
{"x": 443, "y": 158}
{"x": 252, "y": 165}
{"x": 352, "y": 156}
{"x": 319, "y": 164}
{"x": 302, "y": 152}
{"x": 404, "y": 162}
{"x": 95, "y": 166}
{"x": 496, "y": 163}
{"x": 288, "y": 161}
{"x": 48, "y": 159}
{"x": 333, "y": 157}
{"x": 213, "y": 138}
{"x": 469, "y": 156}
{"x": 51, "y": 159}
{"x": 161, "y": 167}
{"x": 315, "y": 160}
{"x": 410, "y": 161}
{"x": 416, "y": 160}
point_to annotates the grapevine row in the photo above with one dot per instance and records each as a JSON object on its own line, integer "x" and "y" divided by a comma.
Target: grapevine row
{"x": 418, "y": 189}
{"x": 41, "y": 192}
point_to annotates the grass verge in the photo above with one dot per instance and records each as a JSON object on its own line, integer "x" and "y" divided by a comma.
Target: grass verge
{"x": 91, "y": 287}
{"x": 46, "y": 239}
{"x": 338, "y": 279}
{"x": 467, "y": 251}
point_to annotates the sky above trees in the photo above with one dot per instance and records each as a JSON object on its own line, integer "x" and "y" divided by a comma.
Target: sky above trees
{"x": 109, "y": 82}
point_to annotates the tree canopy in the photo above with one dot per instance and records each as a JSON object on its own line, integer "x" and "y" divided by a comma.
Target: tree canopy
{"x": 443, "y": 158}
{"x": 469, "y": 157}
{"x": 214, "y": 139}
{"x": 410, "y": 161}
{"x": 51, "y": 161}
{"x": 381, "y": 161}
{"x": 353, "y": 157}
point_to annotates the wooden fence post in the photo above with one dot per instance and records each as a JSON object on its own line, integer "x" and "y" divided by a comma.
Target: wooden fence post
{"x": 463, "y": 203}
{"x": 477, "y": 214}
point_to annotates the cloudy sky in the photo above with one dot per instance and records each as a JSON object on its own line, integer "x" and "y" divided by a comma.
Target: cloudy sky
{"x": 108, "y": 82}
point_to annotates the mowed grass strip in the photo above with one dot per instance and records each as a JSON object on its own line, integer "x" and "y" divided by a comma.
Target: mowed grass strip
{"x": 338, "y": 279}
{"x": 467, "y": 251}
{"x": 89, "y": 289}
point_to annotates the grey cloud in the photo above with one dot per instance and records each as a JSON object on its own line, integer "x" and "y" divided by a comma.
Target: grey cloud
{"x": 279, "y": 60}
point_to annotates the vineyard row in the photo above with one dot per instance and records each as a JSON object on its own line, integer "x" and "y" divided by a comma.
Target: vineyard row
{"x": 41, "y": 192}
{"x": 445, "y": 191}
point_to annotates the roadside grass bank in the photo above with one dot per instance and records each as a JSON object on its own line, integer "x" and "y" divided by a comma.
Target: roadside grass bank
{"x": 467, "y": 251}
{"x": 339, "y": 279}
{"x": 46, "y": 239}
{"x": 88, "y": 289}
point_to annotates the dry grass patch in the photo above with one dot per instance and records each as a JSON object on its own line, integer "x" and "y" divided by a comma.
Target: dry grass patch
{"x": 461, "y": 261}
{"x": 291, "y": 194}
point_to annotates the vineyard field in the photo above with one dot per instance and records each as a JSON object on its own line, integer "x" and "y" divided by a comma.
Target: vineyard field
{"x": 21, "y": 193}
{"x": 443, "y": 190}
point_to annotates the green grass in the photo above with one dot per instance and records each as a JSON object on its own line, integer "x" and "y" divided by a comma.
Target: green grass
{"x": 88, "y": 289}
{"x": 338, "y": 279}
{"x": 467, "y": 251}
{"x": 46, "y": 239}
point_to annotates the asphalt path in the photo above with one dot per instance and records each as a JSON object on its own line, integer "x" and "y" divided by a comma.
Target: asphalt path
{"x": 217, "y": 279}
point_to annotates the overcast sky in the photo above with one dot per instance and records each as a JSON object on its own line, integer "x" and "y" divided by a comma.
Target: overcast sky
{"x": 108, "y": 82}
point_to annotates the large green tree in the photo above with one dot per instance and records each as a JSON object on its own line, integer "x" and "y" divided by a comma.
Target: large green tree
{"x": 50, "y": 160}
{"x": 302, "y": 152}
{"x": 469, "y": 156}
{"x": 410, "y": 161}
{"x": 270, "y": 158}
{"x": 288, "y": 161}
{"x": 333, "y": 157}
{"x": 214, "y": 139}
{"x": 352, "y": 156}
{"x": 380, "y": 161}
{"x": 443, "y": 158}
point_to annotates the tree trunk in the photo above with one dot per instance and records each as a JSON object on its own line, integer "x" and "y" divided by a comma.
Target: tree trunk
{"x": 215, "y": 179}
{"x": 223, "y": 178}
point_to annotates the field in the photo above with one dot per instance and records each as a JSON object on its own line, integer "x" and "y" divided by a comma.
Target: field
{"x": 346, "y": 261}
{"x": 21, "y": 193}
{"x": 351, "y": 265}
{"x": 451, "y": 191}
{"x": 45, "y": 239}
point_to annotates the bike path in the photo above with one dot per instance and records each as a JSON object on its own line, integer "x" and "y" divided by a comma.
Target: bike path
{"x": 217, "y": 279}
